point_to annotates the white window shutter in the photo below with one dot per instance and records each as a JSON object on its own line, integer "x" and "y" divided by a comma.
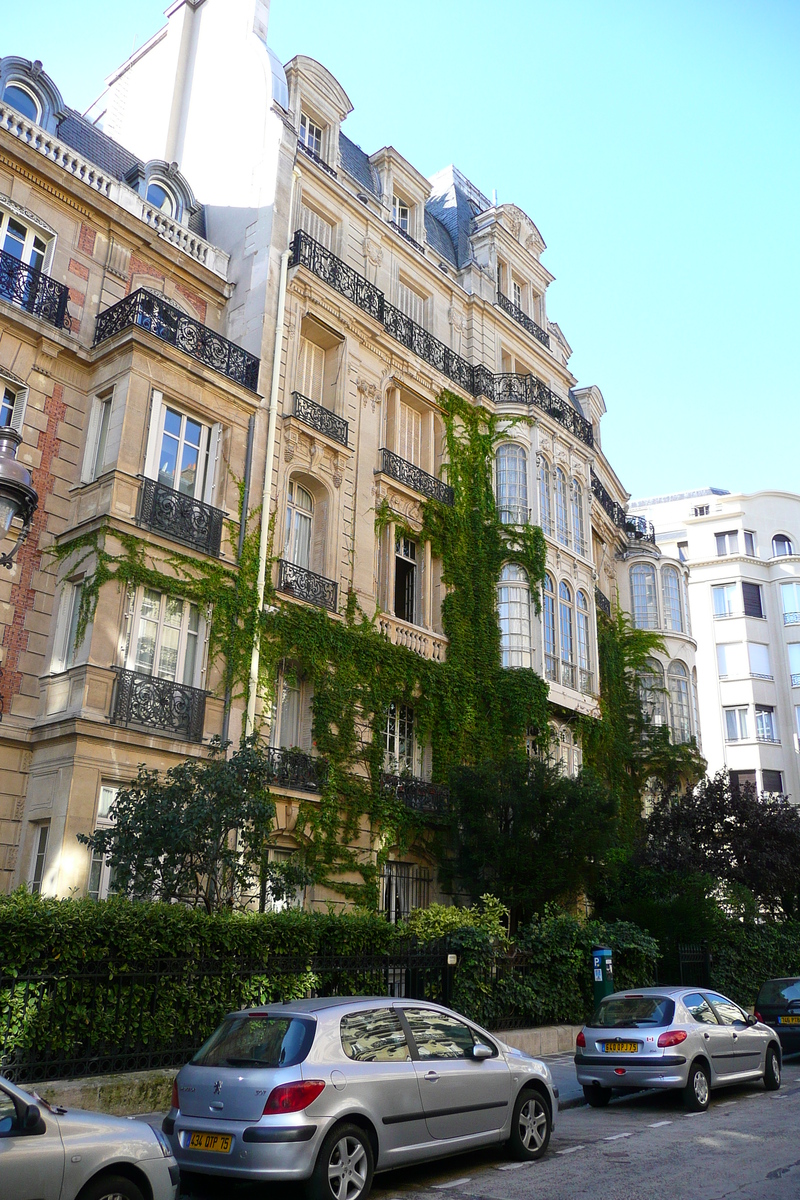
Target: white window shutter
{"x": 154, "y": 436}
{"x": 312, "y": 223}
{"x": 409, "y": 433}
{"x": 87, "y": 470}
{"x": 212, "y": 472}
{"x": 312, "y": 370}
{"x": 18, "y": 413}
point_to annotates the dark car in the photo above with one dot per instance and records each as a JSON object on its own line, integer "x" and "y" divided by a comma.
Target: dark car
{"x": 778, "y": 1005}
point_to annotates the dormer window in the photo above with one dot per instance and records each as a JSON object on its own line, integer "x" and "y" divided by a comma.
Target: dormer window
{"x": 164, "y": 189}
{"x": 400, "y": 214}
{"x": 25, "y": 87}
{"x": 160, "y": 198}
{"x": 310, "y": 134}
{"x": 23, "y": 101}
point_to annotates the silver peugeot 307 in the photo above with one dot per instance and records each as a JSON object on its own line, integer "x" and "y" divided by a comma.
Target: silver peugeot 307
{"x": 331, "y": 1090}
{"x": 689, "y": 1038}
{"x": 50, "y": 1153}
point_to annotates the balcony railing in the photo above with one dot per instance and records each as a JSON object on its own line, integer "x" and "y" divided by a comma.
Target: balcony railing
{"x": 795, "y": 681}
{"x": 637, "y": 528}
{"x": 155, "y": 703}
{"x": 405, "y": 234}
{"x": 154, "y": 314}
{"x": 419, "y": 641}
{"x": 34, "y": 291}
{"x": 513, "y": 514}
{"x": 414, "y": 477}
{"x": 523, "y": 319}
{"x": 790, "y": 618}
{"x": 296, "y": 770}
{"x": 602, "y": 602}
{"x": 416, "y": 794}
{"x": 312, "y": 154}
{"x": 319, "y": 418}
{"x": 568, "y": 675}
{"x": 306, "y": 585}
{"x": 181, "y": 518}
{"x": 476, "y": 379}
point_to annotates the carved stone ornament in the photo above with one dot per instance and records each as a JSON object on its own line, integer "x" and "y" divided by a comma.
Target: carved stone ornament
{"x": 372, "y": 250}
{"x": 369, "y": 392}
{"x": 290, "y": 446}
{"x": 515, "y": 225}
{"x": 337, "y": 470}
{"x": 457, "y": 319}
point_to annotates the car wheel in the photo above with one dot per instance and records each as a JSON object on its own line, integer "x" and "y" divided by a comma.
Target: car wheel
{"x": 530, "y": 1126}
{"x": 344, "y": 1166}
{"x": 111, "y": 1187}
{"x": 772, "y": 1070}
{"x": 596, "y": 1096}
{"x": 697, "y": 1092}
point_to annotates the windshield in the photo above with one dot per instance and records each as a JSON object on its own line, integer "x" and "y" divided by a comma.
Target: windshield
{"x": 257, "y": 1041}
{"x": 779, "y": 991}
{"x": 629, "y": 1012}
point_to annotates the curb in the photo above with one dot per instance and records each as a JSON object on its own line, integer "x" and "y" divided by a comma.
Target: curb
{"x": 572, "y": 1102}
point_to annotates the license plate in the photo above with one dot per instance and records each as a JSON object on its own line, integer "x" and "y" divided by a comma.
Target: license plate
{"x": 218, "y": 1143}
{"x": 789, "y": 1020}
{"x": 620, "y": 1047}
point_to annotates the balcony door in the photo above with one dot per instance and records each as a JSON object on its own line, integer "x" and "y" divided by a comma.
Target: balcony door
{"x": 183, "y": 451}
{"x": 163, "y": 637}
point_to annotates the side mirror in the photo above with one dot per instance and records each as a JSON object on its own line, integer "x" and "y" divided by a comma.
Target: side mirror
{"x": 751, "y": 1020}
{"x": 32, "y": 1119}
{"x": 480, "y": 1051}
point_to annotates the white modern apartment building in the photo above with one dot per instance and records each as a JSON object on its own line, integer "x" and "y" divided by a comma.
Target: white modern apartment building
{"x": 743, "y": 556}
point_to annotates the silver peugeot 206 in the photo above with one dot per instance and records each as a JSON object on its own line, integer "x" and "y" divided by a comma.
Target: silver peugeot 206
{"x": 689, "y": 1038}
{"x": 331, "y": 1090}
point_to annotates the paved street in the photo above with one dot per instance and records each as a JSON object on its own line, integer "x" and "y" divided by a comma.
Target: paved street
{"x": 746, "y": 1146}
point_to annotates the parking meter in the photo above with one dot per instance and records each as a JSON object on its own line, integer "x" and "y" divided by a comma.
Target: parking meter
{"x": 603, "y": 973}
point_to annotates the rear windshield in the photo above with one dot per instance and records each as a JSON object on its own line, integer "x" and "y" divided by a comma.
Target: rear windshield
{"x": 257, "y": 1041}
{"x": 779, "y": 991}
{"x": 628, "y": 1012}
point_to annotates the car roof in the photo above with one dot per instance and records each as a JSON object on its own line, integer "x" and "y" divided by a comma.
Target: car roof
{"x": 666, "y": 993}
{"x": 320, "y": 1004}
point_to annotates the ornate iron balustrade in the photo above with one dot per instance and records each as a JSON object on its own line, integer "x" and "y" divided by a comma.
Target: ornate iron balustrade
{"x": 614, "y": 510}
{"x": 510, "y": 388}
{"x": 795, "y": 683}
{"x": 311, "y": 254}
{"x": 141, "y": 699}
{"x": 523, "y": 319}
{"x": 422, "y": 343}
{"x": 322, "y": 419}
{"x": 306, "y": 585}
{"x": 405, "y": 234}
{"x": 312, "y": 154}
{"x": 414, "y": 477}
{"x": 602, "y": 602}
{"x": 789, "y": 618}
{"x": 639, "y": 528}
{"x": 34, "y": 291}
{"x": 296, "y": 770}
{"x": 180, "y": 517}
{"x": 154, "y": 314}
{"x": 417, "y": 795}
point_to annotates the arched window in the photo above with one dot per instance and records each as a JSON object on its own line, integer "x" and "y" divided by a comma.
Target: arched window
{"x": 671, "y": 587}
{"x": 578, "y": 529}
{"x": 23, "y": 100}
{"x": 781, "y": 546}
{"x": 514, "y": 613}
{"x": 582, "y": 633}
{"x": 299, "y": 519}
{"x": 549, "y": 628}
{"x": 512, "y": 485}
{"x": 566, "y": 638}
{"x": 545, "y": 501}
{"x": 569, "y": 752}
{"x": 161, "y": 198}
{"x": 652, "y": 692}
{"x": 679, "y": 707}
{"x": 398, "y": 740}
{"x": 560, "y": 496}
{"x": 645, "y": 598}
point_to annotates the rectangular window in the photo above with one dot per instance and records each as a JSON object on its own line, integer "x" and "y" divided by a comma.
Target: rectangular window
{"x": 163, "y": 637}
{"x": 751, "y": 595}
{"x": 39, "y": 858}
{"x": 772, "y": 782}
{"x": 398, "y": 744}
{"x": 310, "y": 134}
{"x": 278, "y": 895}
{"x": 405, "y": 581}
{"x": 311, "y": 371}
{"x": 722, "y": 596}
{"x": 516, "y": 293}
{"x": 758, "y": 655}
{"x": 794, "y": 663}
{"x": 101, "y": 874}
{"x": 410, "y": 302}
{"x": 731, "y": 661}
{"x": 7, "y": 406}
{"x": 316, "y": 226}
{"x": 404, "y": 887}
{"x": 742, "y": 779}
{"x": 765, "y": 723}
{"x": 727, "y": 543}
{"x": 70, "y": 649}
{"x": 409, "y": 433}
{"x": 701, "y": 510}
{"x": 683, "y": 551}
{"x": 749, "y": 543}
{"x": 790, "y": 602}
{"x": 736, "y": 726}
{"x": 400, "y": 213}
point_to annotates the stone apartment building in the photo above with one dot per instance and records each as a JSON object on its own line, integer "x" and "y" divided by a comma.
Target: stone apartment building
{"x": 298, "y": 327}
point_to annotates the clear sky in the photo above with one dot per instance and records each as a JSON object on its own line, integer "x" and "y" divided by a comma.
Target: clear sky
{"x": 653, "y": 142}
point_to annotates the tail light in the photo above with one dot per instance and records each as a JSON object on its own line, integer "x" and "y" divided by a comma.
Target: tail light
{"x": 175, "y": 1101}
{"x": 758, "y": 1016}
{"x": 673, "y": 1038}
{"x": 293, "y": 1097}
{"x": 580, "y": 1040}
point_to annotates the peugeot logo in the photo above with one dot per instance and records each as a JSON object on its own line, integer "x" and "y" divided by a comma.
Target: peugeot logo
{"x": 217, "y": 1087}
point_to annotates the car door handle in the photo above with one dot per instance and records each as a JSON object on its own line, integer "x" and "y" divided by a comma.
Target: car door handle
{"x": 431, "y": 1076}
{"x": 736, "y": 1037}
{"x": 706, "y": 1036}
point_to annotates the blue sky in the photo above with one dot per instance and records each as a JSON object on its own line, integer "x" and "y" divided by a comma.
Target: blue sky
{"x": 655, "y": 145}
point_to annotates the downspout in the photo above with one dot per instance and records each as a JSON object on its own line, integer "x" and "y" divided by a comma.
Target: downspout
{"x": 266, "y": 501}
{"x": 248, "y": 471}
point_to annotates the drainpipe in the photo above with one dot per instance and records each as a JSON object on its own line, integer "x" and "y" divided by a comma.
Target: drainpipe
{"x": 248, "y": 470}
{"x": 266, "y": 501}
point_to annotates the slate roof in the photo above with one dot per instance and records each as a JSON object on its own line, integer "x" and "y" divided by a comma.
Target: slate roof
{"x": 454, "y": 201}
{"x": 439, "y": 238}
{"x": 357, "y": 164}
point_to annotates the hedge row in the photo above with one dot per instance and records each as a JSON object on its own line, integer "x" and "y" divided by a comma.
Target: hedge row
{"x": 744, "y": 954}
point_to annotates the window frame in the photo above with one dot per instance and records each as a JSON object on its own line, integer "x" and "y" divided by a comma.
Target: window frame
{"x": 132, "y": 637}
{"x": 210, "y": 447}
{"x": 680, "y": 704}
{"x": 310, "y": 134}
{"x": 545, "y": 495}
{"x": 100, "y": 870}
{"x": 38, "y": 867}
{"x": 401, "y": 212}
{"x": 549, "y": 627}
{"x": 578, "y": 517}
{"x": 782, "y": 539}
{"x": 396, "y": 761}
{"x": 561, "y": 506}
{"x": 34, "y": 231}
{"x": 511, "y": 483}
{"x": 514, "y": 608}
{"x": 645, "y": 610}
{"x": 671, "y": 599}
{"x": 727, "y": 543}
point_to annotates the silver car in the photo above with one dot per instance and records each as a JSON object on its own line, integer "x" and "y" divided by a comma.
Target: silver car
{"x": 54, "y": 1154}
{"x": 689, "y": 1038}
{"x": 331, "y": 1090}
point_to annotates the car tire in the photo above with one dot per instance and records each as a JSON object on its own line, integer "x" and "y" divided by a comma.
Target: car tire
{"x": 596, "y": 1096}
{"x": 111, "y": 1187}
{"x": 697, "y": 1093}
{"x": 772, "y": 1070}
{"x": 530, "y": 1126}
{"x": 344, "y": 1166}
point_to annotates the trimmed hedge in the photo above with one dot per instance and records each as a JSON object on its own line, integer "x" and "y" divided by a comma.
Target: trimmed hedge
{"x": 744, "y": 954}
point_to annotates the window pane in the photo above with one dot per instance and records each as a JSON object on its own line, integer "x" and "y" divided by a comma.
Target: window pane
{"x": 545, "y": 508}
{"x": 374, "y": 1036}
{"x": 672, "y": 599}
{"x": 759, "y": 659}
{"x": 560, "y": 488}
{"x": 772, "y": 781}
{"x": 439, "y": 1036}
{"x": 723, "y": 600}
{"x": 700, "y": 1010}
{"x": 751, "y": 594}
{"x": 512, "y": 485}
{"x": 22, "y": 101}
{"x": 645, "y": 603}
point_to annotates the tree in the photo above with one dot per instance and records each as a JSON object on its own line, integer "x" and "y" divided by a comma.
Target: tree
{"x": 196, "y": 835}
{"x": 528, "y": 834}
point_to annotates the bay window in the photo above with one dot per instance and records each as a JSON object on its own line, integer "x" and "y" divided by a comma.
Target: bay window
{"x": 736, "y": 725}
{"x": 164, "y": 637}
{"x": 545, "y": 502}
{"x": 582, "y": 628}
{"x": 578, "y": 528}
{"x": 512, "y": 485}
{"x": 680, "y": 712}
{"x": 565, "y": 625}
{"x": 514, "y": 614}
{"x": 560, "y": 496}
{"x": 549, "y": 628}
{"x": 645, "y": 598}
{"x": 671, "y": 588}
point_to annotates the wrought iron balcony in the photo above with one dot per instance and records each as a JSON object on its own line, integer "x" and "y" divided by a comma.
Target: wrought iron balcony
{"x": 523, "y": 319}
{"x": 795, "y": 681}
{"x": 312, "y": 154}
{"x": 789, "y": 618}
{"x": 154, "y": 314}
{"x": 422, "y": 343}
{"x": 180, "y": 517}
{"x": 296, "y": 770}
{"x": 602, "y": 602}
{"x": 311, "y": 254}
{"x": 639, "y": 529}
{"x": 141, "y": 699}
{"x": 305, "y": 585}
{"x": 513, "y": 514}
{"x": 557, "y": 670}
{"x": 614, "y": 510}
{"x": 319, "y": 418}
{"x": 405, "y": 234}
{"x": 511, "y": 388}
{"x": 417, "y": 795}
{"x": 34, "y": 291}
{"x": 414, "y": 477}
